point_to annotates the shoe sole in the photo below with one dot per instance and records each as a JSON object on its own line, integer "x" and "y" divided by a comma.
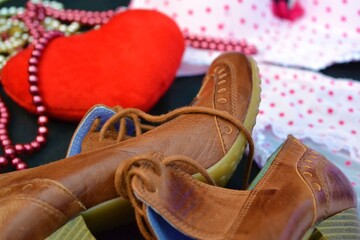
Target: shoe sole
{"x": 344, "y": 225}
{"x": 105, "y": 216}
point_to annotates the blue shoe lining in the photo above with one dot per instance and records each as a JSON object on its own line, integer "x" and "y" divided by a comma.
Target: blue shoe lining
{"x": 101, "y": 112}
{"x": 162, "y": 229}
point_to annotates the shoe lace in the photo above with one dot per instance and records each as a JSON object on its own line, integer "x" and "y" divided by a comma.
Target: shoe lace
{"x": 136, "y": 115}
{"x": 133, "y": 168}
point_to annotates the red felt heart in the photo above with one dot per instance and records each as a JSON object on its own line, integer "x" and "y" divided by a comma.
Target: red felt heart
{"x": 130, "y": 61}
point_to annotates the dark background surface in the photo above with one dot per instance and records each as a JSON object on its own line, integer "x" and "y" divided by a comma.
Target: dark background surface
{"x": 23, "y": 124}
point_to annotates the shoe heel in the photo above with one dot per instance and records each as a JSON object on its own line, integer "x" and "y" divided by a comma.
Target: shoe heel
{"x": 344, "y": 225}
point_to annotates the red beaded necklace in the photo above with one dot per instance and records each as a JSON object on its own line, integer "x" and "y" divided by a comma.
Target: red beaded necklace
{"x": 33, "y": 17}
{"x": 218, "y": 44}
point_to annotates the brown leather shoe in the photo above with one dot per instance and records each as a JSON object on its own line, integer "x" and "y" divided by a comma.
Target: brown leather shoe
{"x": 213, "y": 131}
{"x": 299, "y": 194}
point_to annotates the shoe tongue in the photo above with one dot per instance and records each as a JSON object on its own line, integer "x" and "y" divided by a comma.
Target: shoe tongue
{"x": 206, "y": 92}
{"x": 84, "y": 139}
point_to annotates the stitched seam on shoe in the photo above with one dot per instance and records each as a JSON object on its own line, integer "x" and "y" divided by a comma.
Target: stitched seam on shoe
{"x": 323, "y": 184}
{"x": 217, "y": 124}
{"x": 234, "y": 94}
{"x": 50, "y": 182}
{"x": 310, "y": 189}
{"x": 45, "y": 206}
{"x": 234, "y": 97}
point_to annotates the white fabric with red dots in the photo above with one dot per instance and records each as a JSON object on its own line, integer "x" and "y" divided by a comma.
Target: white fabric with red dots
{"x": 310, "y": 105}
{"x": 328, "y": 32}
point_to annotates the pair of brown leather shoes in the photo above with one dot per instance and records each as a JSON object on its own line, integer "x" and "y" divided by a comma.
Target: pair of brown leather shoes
{"x": 293, "y": 193}
{"x": 214, "y": 131}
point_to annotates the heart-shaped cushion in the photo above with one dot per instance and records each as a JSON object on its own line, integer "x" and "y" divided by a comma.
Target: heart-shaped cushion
{"x": 130, "y": 61}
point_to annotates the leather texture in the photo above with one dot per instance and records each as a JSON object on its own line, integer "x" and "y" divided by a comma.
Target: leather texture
{"x": 298, "y": 190}
{"x": 62, "y": 189}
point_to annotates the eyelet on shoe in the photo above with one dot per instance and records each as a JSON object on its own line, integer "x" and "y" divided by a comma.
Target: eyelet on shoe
{"x": 229, "y": 129}
{"x": 27, "y": 187}
{"x": 221, "y": 82}
{"x": 221, "y": 70}
{"x": 222, "y": 90}
{"x": 308, "y": 161}
{"x": 6, "y": 190}
{"x": 223, "y": 75}
{"x": 222, "y": 100}
{"x": 153, "y": 189}
{"x": 317, "y": 186}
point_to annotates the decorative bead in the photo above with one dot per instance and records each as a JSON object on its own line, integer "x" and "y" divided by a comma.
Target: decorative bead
{"x": 33, "y": 61}
{"x": 40, "y": 109}
{"x": 42, "y": 120}
{"x": 39, "y": 47}
{"x": 35, "y": 145}
{"x": 36, "y": 53}
{"x": 3, "y": 161}
{"x": 33, "y": 79}
{"x": 21, "y": 166}
{"x": 42, "y": 131}
{"x": 5, "y": 115}
{"x": 41, "y": 139}
{"x": 33, "y": 69}
{"x": 2, "y": 138}
{"x": 28, "y": 148}
{"x": 15, "y": 161}
{"x": 19, "y": 148}
{"x": 43, "y": 40}
{"x": 37, "y": 100}
{"x": 34, "y": 90}
{"x": 35, "y": 35}
{"x": 6, "y": 143}
{"x": 3, "y": 120}
{"x": 9, "y": 152}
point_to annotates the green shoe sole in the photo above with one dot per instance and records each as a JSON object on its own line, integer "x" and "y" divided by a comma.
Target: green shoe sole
{"x": 344, "y": 225}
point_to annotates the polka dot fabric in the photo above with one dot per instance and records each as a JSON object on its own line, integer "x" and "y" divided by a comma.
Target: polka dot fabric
{"x": 311, "y": 105}
{"x": 328, "y": 32}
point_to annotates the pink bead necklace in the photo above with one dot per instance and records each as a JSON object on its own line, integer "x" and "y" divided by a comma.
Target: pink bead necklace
{"x": 33, "y": 18}
{"x": 218, "y": 44}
